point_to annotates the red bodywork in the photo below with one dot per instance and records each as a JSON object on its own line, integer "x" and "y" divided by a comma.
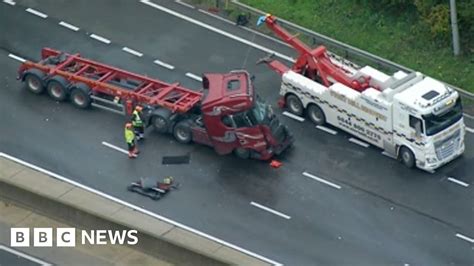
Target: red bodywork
{"x": 313, "y": 63}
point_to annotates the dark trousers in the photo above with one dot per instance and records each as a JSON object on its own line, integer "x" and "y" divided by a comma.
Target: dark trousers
{"x": 139, "y": 130}
{"x": 131, "y": 146}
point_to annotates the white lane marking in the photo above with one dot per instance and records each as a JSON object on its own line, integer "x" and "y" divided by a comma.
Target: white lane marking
{"x": 290, "y": 115}
{"x": 270, "y": 210}
{"x": 266, "y": 36}
{"x": 359, "y": 142}
{"x": 114, "y": 147}
{"x": 389, "y": 155}
{"x": 36, "y": 13}
{"x": 24, "y": 255}
{"x": 327, "y": 130}
{"x": 204, "y": 25}
{"x": 69, "y": 26}
{"x": 193, "y": 76}
{"x": 131, "y": 51}
{"x": 184, "y": 4}
{"x": 216, "y": 16}
{"x": 139, "y": 209}
{"x": 9, "y": 2}
{"x": 459, "y": 182}
{"x": 470, "y": 130}
{"x": 324, "y": 181}
{"x": 468, "y": 116}
{"x": 99, "y": 38}
{"x": 163, "y": 64}
{"x": 17, "y": 58}
{"x": 465, "y": 237}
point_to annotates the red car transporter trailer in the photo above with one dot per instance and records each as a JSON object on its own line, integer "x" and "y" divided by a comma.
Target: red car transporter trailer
{"x": 227, "y": 115}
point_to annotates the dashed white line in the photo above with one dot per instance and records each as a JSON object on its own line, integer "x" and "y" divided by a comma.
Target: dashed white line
{"x": 216, "y": 16}
{"x": 211, "y": 28}
{"x": 100, "y": 38}
{"x": 389, "y": 155}
{"x": 24, "y": 255}
{"x": 321, "y": 180}
{"x": 470, "y": 130}
{"x": 131, "y": 51}
{"x": 36, "y": 13}
{"x": 69, "y": 26}
{"x": 163, "y": 64}
{"x": 359, "y": 142}
{"x": 193, "y": 76}
{"x": 465, "y": 237}
{"x": 114, "y": 147}
{"x": 184, "y": 4}
{"x": 290, "y": 115}
{"x": 9, "y": 2}
{"x": 327, "y": 130}
{"x": 270, "y": 210}
{"x": 17, "y": 58}
{"x": 459, "y": 182}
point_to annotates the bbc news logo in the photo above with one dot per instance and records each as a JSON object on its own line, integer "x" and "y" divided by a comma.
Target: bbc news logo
{"x": 66, "y": 237}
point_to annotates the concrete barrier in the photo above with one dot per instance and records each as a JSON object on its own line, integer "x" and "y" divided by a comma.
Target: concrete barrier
{"x": 47, "y": 184}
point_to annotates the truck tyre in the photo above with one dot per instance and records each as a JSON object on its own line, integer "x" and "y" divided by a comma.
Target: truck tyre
{"x": 182, "y": 132}
{"x": 57, "y": 88}
{"x": 34, "y": 80}
{"x": 242, "y": 153}
{"x": 161, "y": 120}
{"x": 80, "y": 96}
{"x": 407, "y": 157}
{"x": 316, "y": 114}
{"x": 294, "y": 105}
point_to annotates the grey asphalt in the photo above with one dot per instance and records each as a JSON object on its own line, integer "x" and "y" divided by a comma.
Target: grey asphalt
{"x": 383, "y": 214}
{"x": 10, "y": 259}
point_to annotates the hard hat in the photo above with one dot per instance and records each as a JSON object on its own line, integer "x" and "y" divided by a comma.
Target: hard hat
{"x": 138, "y": 108}
{"x": 128, "y": 125}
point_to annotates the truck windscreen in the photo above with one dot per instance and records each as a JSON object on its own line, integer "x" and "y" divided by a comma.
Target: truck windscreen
{"x": 437, "y": 123}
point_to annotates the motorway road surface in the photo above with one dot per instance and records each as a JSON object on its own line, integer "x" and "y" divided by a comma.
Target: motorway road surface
{"x": 373, "y": 212}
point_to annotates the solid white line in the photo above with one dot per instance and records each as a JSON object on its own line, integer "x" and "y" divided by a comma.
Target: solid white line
{"x": 359, "y": 142}
{"x": 17, "y": 58}
{"x": 139, "y": 209}
{"x": 465, "y": 238}
{"x": 163, "y": 64}
{"x": 114, "y": 147}
{"x": 9, "y": 2}
{"x": 290, "y": 115}
{"x": 459, "y": 182}
{"x": 266, "y": 36}
{"x": 470, "y": 130}
{"x": 321, "y": 180}
{"x": 100, "y": 38}
{"x": 24, "y": 255}
{"x": 193, "y": 76}
{"x": 131, "y": 51}
{"x": 36, "y": 12}
{"x": 270, "y": 210}
{"x": 184, "y": 4}
{"x": 216, "y": 16}
{"x": 328, "y": 130}
{"x": 69, "y": 26}
{"x": 204, "y": 25}
{"x": 468, "y": 116}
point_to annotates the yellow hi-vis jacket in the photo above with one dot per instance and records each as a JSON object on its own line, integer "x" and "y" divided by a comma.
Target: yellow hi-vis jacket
{"x": 129, "y": 136}
{"x": 136, "y": 119}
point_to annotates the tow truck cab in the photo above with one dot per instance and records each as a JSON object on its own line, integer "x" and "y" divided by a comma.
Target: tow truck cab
{"x": 234, "y": 119}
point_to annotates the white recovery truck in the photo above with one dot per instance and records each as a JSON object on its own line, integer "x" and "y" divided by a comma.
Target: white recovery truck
{"x": 412, "y": 117}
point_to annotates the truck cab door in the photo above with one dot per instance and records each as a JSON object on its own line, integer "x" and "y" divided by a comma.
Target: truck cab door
{"x": 221, "y": 130}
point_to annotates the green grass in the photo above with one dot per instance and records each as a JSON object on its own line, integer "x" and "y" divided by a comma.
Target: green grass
{"x": 394, "y": 38}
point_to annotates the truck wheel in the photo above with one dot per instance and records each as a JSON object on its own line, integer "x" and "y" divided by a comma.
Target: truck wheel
{"x": 242, "y": 153}
{"x": 34, "y": 81}
{"x": 161, "y": 120}
{"x": 294, "y": 105}
{"x": 182, "y": 132}
{"x": 80, "y": 96}
{"x": 316, "y": 114}
{"x": 57, "y": 88}
{"x": 407, "y": 157}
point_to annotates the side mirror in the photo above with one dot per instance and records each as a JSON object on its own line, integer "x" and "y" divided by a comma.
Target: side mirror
{"x": 252, "y": 78}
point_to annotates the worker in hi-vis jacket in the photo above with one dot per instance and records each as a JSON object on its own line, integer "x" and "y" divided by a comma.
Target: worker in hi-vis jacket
{"x": 137, "y": 123}
{"x": 131, "y": 141}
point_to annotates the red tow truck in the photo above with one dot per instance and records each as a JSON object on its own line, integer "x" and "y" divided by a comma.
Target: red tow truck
{"x": 226, "y": 115}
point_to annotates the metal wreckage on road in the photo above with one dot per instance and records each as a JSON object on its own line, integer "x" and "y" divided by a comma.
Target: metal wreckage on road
{"x": 227, "y": 115}
{"x": 412, "y": 117}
